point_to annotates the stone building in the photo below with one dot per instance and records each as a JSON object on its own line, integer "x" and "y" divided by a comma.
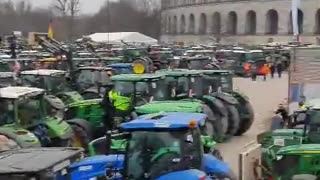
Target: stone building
{"x": 246, "y": 21}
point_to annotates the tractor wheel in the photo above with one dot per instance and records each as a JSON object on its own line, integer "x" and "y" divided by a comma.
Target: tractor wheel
{"x": 216, "y": 153}
{"x": 247, "y": 121}
{"x": 209, "y": 129}
{"x": 234, "y": 119}
{"x": 82, "y": 133}
{"x": 221, "y": 113}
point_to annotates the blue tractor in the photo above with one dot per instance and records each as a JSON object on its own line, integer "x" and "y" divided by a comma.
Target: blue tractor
{"x": 161, "y": 146}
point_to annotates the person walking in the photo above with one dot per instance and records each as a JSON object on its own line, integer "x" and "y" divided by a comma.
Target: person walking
{"x": 279, "y": 68}
{"x": 264, "y": 70}
{"x": 272, "y": 69}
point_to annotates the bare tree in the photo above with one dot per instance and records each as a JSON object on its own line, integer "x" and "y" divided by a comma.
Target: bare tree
{"x": 74, "y": 9}
{"x": 68, "y": 9}
{"x": 62, "y": 7}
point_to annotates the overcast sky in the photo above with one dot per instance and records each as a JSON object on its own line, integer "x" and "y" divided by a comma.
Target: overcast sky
{"x": 87, "y": 6}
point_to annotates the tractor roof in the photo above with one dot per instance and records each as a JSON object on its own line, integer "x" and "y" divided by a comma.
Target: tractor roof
{"x": 95, "y": 68}
{"x": 300, "y": 149}
{"x": 7, "y": 74}
{"x": 36, "y": 160}
{"x": 15, "y": 92}
{"x": 180, "y": 72}
{"x": 137, "y": 77}
{"x": 173, "y": 120}
{"x": 43, "y": 72}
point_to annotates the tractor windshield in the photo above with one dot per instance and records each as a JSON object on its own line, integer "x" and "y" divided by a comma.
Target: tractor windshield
{"x": 90, "y": 78}
{"x": 145, "y": 90}
{"x": 56, "y": 84}
{"x": 220, "y": 81}
{"x": 6, "y": 111}
{"x": 199, "y": 64}
{"x": 286, "y": 165}
{"x": 151, "y": 154}
{"x": 32, "y": 81}
{"x": 185, "y": 86}
{"x": 30, "y": 111}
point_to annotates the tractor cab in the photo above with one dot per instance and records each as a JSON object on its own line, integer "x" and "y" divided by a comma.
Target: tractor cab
{"x": 91, "y": 81}
{"x": 198, "y": 63}
{"x": 183, "y": 83}
{"x": 218, "y": 80}
{"x": 55, "y": 82}
{"x": 161, "y": 59}
{"x": 7, "y": 79}
{"x": 25, "y": 121}
{"x": 163, "y": 144}
{"x": 142, "y": 88}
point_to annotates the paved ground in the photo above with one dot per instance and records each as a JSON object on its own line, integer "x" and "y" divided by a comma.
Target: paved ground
{"x": 265, "y": 96}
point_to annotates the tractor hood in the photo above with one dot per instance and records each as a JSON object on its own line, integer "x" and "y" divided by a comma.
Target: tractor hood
{"x": 85, "y": 103}
{"x": 170, "y": 106}
{"x": 300, "y": 149}
{"x": 59, "y": 129}
{"x": 23, "y": 137}
{"x": 96, "y": 166}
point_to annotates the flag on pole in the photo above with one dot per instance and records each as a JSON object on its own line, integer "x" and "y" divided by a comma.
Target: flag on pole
{"x": 294, "y": 12}
{"x": 50, "y": 30}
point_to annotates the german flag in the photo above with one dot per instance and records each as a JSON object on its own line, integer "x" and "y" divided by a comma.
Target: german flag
{"x": 50, "y": 29}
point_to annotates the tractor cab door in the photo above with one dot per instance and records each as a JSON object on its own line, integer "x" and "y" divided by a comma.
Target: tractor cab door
{"x": 250, "y": 162}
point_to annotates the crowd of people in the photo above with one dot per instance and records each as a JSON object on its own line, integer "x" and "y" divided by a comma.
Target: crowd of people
{"x": 270, "y": 68}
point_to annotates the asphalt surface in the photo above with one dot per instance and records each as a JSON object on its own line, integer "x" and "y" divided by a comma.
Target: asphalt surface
{"x": 265, "y": 97}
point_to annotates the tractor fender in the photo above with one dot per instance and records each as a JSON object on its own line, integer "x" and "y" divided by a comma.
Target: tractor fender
{"x": 54, "y": 102}
{"x": 225, "y": 97}
{"x": 85, "y": 125}
{"x": 25, "y": 140}
{"x": 213, "y": 165}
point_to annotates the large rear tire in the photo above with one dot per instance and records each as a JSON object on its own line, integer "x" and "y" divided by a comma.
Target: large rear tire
{"x": 247, "y": 120}
{"x": 234, "y": 119}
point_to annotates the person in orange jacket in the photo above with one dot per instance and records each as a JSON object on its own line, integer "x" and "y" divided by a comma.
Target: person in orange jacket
{"x": 265, "y": 71}
{"x": 247, "y": 67}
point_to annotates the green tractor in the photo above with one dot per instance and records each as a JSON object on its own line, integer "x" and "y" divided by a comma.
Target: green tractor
{"x": 25, "y": 122}
{"x": 200, "y": 90}
{"x": 297, "y": 145}
{"x": 137, "y": 89}
{"x": 53, "y": 81}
